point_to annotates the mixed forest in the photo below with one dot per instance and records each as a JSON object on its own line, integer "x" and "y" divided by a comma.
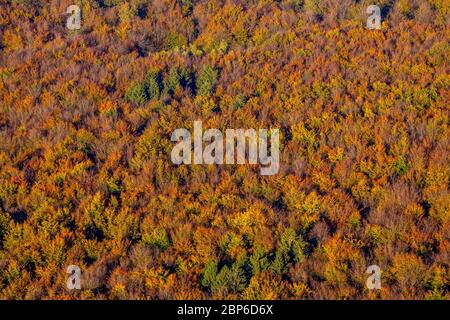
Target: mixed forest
{"x": 86, "y": 179}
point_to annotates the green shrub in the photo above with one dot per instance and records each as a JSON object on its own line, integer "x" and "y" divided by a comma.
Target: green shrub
{"x": 137, "y": 94}
{"x": 290, "y": 249}
{"x": 186, "y": 6}
{"x": 152, "y": 84}
{"x": 258, "y": 261}
{"x": 4, "y": 226}
{"x": 109, "y": 3}
{"x": 158, "y": 238}
{"x": 206, "y": 81}
{"x": 401, "y": 166}
{"x": 172, "y": 81}
{"x": 228, "y": 280}
{"x": 177, "y": 77}
{"x": 239, "y": 102}
{"x": 176, "y": 40}
{"x": 209, "y": 274}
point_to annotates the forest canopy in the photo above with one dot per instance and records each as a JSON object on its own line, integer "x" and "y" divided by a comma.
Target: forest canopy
{"x": 86, "y": 179}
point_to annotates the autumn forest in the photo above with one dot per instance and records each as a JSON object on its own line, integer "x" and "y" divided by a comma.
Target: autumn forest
{"x": 86, "y": 118}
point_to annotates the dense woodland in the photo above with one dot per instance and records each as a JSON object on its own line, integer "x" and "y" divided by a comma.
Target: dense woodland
{"x": 86, "y": 178}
